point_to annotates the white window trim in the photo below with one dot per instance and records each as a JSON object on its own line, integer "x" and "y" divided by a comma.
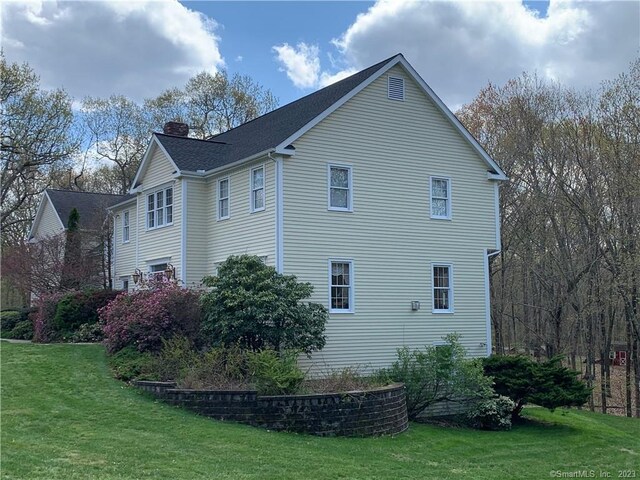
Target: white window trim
{"x": 126, "y": 214}
{"x": 451, "y": 308}
{"x": 164, "y": 206}
{"x": 228, "y": 198}
{"x": 449, "y": 202}
{"x": 352, "y": 284}
{"x": 264, "y": 189}
{"x": 349, "y": 196}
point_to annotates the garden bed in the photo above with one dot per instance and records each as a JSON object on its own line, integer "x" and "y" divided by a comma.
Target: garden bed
{"x": 378, "y": 411}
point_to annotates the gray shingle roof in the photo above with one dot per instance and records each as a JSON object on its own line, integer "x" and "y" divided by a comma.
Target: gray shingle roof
{"x": 89, "y": 205}
{"x": 262, "y": 133}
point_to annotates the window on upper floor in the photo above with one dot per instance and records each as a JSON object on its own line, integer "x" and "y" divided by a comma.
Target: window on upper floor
{"x": 223, "y": 198}
{"x": 125, "y": 227}
{"x": 160, "y": 208}
{"x": 341, "y": 286}
{"x": 442, "y": 287}
{"x": 340, "y": 188}
{"x": 441, "y": 198}
{"x": 257, "y": 189}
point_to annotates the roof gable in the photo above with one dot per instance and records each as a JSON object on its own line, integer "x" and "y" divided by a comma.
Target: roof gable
{"x": 88, "y": 204}
{"x": 44, "y": 201}
{"x": 278, "y": 129}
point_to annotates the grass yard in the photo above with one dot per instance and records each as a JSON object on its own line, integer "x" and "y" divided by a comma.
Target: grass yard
{"x": 64, "y": 417}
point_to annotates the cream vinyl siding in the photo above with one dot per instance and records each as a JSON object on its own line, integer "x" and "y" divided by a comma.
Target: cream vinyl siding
{"x": 393, "y": 148}
{"x": 244, "y": 231}
{"x": 125, "y": 257}
{"x": 49, "y": 224}
{"x": 200, "y": 211}
{"x": 164, "y": 242}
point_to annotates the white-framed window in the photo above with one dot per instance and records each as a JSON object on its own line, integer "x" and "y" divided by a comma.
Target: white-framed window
{"x": 156, "y": 271}
{"x": 340, "y": 190}
{"x": 442, "y": 287}
{"x": 257, "y": 188}
{"x": 125, "y": 284}
{"x": 395, "y": 90}
{"x": 440, "y": 198}
{"x": 125, "y": 227}
{"x": 223, "y": 198}
{"x": 160, "y": 208}
{"x": 341, "y": 286}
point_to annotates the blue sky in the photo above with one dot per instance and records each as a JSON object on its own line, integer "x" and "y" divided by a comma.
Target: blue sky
{"x": 139, "y": 48}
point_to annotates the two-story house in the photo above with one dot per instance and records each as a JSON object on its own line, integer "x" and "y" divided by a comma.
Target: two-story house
{"x": 370, "y": 189}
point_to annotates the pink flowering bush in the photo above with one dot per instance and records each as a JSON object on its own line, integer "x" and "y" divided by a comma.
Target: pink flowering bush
{"x": 144, "y": 318}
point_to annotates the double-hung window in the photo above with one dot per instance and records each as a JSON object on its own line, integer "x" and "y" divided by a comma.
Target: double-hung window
{"x": 441, "y": 198}
{"x": 125, "y": 227}
{"x": 442, "y": 286}
{"x": 257, "y": 189}
{"x": 223, "y": 198}
{"x": 160, "y": 208}
{"x": 340, "y": 188}
{"x": 341, "y": 286}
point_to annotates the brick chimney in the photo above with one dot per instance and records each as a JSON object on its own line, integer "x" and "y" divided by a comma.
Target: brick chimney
{"x": 176, "y": 128}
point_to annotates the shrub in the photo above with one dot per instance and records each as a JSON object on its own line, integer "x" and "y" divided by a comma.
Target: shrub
{"x": 219, "y": 368}
{"x": 273, "y": 373}
{"x": 492, "y": 414}
{"x": 128, "y": 364}
{"x": 78, "y": 308}
{"x": 145, "y": 318}
{"x": 343, "y": 380}
{"x": 43, "y": 330}
{"x": 547, "y": 384}
{"x": 89, "y": 333}
{"x": 174, "y": 359}
{"x": 436, "y": 374}
{"x": 8, "y": 320}
{"x": 253, "y": 305}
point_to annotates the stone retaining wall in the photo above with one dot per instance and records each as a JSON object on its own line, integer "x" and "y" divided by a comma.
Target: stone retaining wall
{"x": 382, "y": 411}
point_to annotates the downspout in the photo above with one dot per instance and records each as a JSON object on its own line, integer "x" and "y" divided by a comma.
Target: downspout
{"x": 487, "y": 257}
{"x": 113, "y": 259}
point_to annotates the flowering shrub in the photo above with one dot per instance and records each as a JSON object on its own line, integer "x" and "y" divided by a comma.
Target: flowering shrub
{"x": 492, "y": 414}
{"x": 144, "y": 318}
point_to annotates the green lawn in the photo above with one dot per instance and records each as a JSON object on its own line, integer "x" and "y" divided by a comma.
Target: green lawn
{"x": 64, "y": 417}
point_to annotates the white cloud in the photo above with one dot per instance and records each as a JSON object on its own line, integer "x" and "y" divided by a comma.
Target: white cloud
{"x": 458, "y": 46}
{"x": 135, "y": 48}
{"x": 302, "y": 66}
{"x": 301, "y": 63}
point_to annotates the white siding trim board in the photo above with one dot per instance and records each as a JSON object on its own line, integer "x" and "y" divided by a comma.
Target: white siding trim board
{"x": 183, "y": 233}
{"x": 279, "y": 188}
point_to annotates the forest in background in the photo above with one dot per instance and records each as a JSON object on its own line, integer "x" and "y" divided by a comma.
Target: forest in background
{"x": 567, "y": 279}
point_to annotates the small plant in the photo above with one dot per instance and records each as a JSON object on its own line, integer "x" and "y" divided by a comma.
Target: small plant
{"x": 88, "y": 333}
{"x": 275, "y": 374}
{"x": 492, "y": 414}
{"x": 436, "y": 374}
{"x": 129, "y": 364}
{"x": 343, "y": 380}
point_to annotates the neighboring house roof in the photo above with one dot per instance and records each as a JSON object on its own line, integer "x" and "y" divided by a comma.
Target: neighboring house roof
{"x": 88, "y": 204}
{"x": 280, "y": 127}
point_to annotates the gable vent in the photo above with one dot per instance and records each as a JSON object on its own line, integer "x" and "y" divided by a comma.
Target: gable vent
{"x": 396, "y": 88}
